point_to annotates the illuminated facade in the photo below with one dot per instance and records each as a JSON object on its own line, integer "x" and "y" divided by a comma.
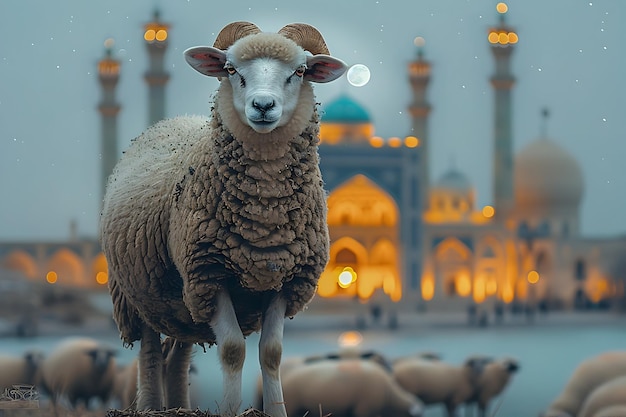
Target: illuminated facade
{"x": 397, "y": 236}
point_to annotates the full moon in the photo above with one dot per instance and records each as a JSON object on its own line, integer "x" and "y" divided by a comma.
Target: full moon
{"x": 358, "y": 75}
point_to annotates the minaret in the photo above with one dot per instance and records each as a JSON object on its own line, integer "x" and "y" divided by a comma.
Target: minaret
{"x": 155, "y": 35}
{"x": 108, "y": 74}
{"x": 502, "y": 39}
{"x": 419, "y": 76}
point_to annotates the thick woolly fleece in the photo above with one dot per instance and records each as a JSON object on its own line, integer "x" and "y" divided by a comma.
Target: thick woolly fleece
{"x": 199, "y": 204}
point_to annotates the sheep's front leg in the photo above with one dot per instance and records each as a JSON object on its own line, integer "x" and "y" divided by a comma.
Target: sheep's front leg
{"x": 270, "y": 352}
{"x": 232, "y": 352}
{"x": 150, "y": 386}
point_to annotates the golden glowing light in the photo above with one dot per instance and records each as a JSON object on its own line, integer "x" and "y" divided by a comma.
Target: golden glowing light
{"x": 428, "y": 289}
{"x": 488, "y": 211}
{"x": 346, "y": 277}
{"x": 350, "y": 338}
{"x": 513, "y": 38}
{"x": 102, "y": 278}
{"x": 479, "y": 290}
{"x": 502, "y": 7}
{"x": 493, "y": 37}
{"x": 52, "y": 277}
{"x": 377, "y": 141}
{"x": 149, "y": 35}
{"x": 491, "y": 287}
{"x": 463, "y": 285}
{"x": 161, "y": 35}
{"x": 411, "y": 142}
{"x": 507, "y": 294}
{"x": 503, "y": 38}
{"x": 395, "y": 142}
{"x": 533, "y": 277}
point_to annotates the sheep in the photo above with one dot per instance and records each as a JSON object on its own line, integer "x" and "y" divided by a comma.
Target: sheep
{"x": 587, "y": 376}
{"x": 19, "y": 370}
{"x": 292, "y": 362}
{"x": 77, "y": 370}
{"x": 216, "y": 228}
{"x": 610, "y": 393}
{"x": 348, "y": 387}
{"x": 494, "y": 378}
{"x": 435, "y": 381}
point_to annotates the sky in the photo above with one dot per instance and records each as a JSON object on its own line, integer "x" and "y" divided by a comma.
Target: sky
{"x": 570, "y": 59}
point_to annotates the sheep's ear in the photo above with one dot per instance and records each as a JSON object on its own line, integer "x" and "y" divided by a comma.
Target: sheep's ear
{"x": 207, "y": 60}
{"x": 324, "y": 68}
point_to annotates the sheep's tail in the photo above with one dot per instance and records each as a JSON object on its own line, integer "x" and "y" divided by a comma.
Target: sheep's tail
{"x": 125, "y": 315}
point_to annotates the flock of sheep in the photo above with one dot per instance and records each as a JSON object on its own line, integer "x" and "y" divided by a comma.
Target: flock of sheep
{"x": 82, "y": 373}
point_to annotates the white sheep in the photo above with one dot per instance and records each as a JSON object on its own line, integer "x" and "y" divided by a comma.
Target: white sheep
{"x": 78, "y": 370}
{"x": 214, "y": 229}
{"x": 588, "y": 375}
{"x": 19, "y": 370}
{"x": 439, "y": 382}
{"x": 610, "y": 393}
{"x": 347, "y": 387}
{"x": 493, "y": 379}
{"x": 292, "y": 362}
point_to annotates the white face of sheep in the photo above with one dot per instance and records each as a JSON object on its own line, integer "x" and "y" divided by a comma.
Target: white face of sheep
{"x": 265, "y": 88}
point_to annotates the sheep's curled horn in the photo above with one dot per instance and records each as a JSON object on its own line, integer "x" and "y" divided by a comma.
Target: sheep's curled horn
{"x": 309, "y": 38}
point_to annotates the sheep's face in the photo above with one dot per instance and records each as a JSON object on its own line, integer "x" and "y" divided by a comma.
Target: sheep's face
{"x": 265, "y": 71}
{"x": 265, "y": 90}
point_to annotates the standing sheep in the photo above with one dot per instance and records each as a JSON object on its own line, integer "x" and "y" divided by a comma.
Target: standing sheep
{"x": 216, "y": 228}
{"x": 494, "y": 378}
{"x": 587, "y": 376}
{"x": 434, "y": 381}
{"x": 19, "y": 370}
{"x": 347, "y": 387}
{"x": 609, "y": 394}
{"x": 77, "y": 370}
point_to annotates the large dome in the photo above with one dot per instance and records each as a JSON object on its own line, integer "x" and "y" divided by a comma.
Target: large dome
{"x": 546, "y": 176}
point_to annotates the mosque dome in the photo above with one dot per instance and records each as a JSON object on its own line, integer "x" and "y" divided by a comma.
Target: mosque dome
{"x": 344, "y": 110}
{"x": 454, "y": 180}
{"x": 546, "y": 176}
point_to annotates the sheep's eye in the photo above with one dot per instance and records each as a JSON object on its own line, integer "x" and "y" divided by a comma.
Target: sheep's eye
{"x": 230, "y": 69}
{"x": 300, "y": 71}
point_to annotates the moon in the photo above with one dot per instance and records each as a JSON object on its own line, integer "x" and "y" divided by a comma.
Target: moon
{"x": 358, "y": 75}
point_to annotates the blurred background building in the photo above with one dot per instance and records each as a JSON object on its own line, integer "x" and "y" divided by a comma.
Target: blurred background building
{"x": 399, "y": 240}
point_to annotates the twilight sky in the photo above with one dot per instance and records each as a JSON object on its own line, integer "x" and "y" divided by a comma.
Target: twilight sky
{"x": 570, "y": 58}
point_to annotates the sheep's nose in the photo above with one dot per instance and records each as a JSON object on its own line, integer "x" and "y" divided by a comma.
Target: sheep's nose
{"x": 263, "y": 104}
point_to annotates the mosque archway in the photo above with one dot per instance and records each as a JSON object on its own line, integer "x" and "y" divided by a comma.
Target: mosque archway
{"x": 65, "y": 268}
{"x": 453, "y": 268}
{"x": 364, "y": 256}
{"x": 22, "y": 262}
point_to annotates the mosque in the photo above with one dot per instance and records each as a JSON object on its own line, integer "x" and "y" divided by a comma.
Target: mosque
{"x": 399, "y": 239}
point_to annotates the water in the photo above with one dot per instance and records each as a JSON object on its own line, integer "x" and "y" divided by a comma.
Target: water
{"x": 548, "y": 351}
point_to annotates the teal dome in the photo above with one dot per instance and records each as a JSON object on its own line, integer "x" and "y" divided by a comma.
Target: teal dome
{"x": 344, "y": 110}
